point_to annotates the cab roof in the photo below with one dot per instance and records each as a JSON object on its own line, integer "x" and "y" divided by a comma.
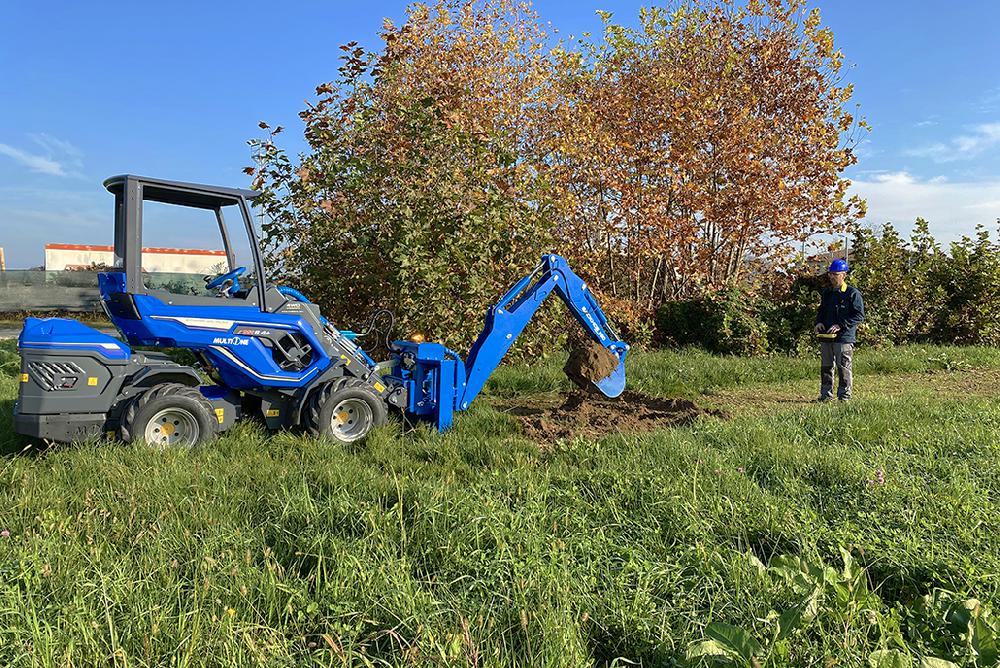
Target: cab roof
{"x": 180, "y": 192}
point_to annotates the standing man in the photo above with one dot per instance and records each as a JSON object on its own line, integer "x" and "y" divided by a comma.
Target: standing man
{"x": 841, "y": 309}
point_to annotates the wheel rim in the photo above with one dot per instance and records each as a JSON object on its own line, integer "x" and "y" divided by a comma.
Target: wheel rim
{"x": 172, "y": 426}
{"x": 351, "y": 419}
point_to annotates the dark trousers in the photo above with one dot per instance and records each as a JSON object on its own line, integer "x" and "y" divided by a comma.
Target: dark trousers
{"x": 839, "y": 355}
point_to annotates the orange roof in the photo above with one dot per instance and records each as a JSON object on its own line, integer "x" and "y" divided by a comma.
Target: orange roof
{"x": 161, "y": 251}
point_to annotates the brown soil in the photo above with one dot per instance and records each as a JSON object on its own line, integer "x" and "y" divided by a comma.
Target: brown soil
{"x": 580, "y": 413}
{"x": 588, "y": 363}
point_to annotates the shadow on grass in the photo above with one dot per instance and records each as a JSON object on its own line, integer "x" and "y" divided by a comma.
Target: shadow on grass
{"x": 908, "y": 583}
{"x": 11, "y": 444}
{"x": 613, "y": 645}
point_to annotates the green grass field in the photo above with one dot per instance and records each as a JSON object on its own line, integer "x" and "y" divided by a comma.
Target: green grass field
{"x": 725, "y": 537}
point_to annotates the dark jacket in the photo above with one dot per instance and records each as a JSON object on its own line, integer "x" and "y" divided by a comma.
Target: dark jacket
{"x": 842, "y": 307}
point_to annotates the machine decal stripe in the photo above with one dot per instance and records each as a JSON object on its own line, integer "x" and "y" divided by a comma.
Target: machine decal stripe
{"x": 220, "y": 325}
{"x": 276, "y": 325}
{"x": 106, "y": 346}
{"x": 199, "y": 323}
{"x": 107, "y": 350}
{"x": 236, "y": 360}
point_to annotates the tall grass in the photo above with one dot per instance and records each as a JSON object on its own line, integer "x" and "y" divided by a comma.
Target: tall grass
{"x": 478, "y": 547}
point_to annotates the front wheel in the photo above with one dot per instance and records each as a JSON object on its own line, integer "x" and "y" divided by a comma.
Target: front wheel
{"x": 169, "y": 415}
{"x": 345, "y": 410}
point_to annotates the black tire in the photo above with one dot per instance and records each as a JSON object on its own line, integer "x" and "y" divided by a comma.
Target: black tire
{"x": 188, "y": 415}
{"x": 345, "y": 409}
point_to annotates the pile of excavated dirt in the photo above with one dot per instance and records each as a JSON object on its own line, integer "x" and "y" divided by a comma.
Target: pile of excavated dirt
{"x": 584, "y": 414}
{"x": 588, "y": 363}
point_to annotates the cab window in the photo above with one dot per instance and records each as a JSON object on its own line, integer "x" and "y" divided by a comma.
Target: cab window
{"x": 185, "y": 248}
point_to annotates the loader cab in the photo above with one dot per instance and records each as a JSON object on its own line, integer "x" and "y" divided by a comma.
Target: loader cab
{"x": 186, "y": 244}
{"x": 188, "y": 273}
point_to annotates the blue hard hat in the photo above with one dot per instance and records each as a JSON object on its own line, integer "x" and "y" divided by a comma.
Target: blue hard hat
{"x": 838, "y": 265}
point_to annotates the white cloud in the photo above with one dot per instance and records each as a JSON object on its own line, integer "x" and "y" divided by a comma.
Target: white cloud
{"x": 952, "y": 208}
{"x": 53, "y": 145}
{"x": 896, "y": 178}
{"x": 864, "y": 150}
{"x": 56, "y": 158}
{"x": 962, "y": 147}
{"x": 989, "y": 205}
{"x": 36, "y": 163}
{"x": 989, "y": 102}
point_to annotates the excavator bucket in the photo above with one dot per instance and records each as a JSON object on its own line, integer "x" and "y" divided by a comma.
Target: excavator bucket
{"x": 613, "y": 385}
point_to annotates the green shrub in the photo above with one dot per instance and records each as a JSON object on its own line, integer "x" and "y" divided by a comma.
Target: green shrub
{"x": 914, "y": 292}
{"x": 727, "y": 321}
{"x": 969, "y": 280}
{"x": 790, "y": 315}
{"x": 896, "y": 279}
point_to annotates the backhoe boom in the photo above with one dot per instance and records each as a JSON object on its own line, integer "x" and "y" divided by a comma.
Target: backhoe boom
{"x": 508, "y": 317}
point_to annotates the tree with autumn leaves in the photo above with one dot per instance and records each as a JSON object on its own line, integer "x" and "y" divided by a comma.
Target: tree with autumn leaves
{"x": 662, "y": 160}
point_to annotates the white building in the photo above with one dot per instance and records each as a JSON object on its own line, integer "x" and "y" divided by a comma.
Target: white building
{"x": 59, "y": 257}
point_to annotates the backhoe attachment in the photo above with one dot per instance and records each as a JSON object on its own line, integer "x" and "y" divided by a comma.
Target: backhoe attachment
{"x": 440, "y": 383}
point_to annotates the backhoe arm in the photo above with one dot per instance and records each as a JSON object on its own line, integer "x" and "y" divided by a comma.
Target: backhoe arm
{"x": 508, "y": 317}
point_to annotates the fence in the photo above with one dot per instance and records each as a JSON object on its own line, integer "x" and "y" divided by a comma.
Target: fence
{"x": 27, "y": 290}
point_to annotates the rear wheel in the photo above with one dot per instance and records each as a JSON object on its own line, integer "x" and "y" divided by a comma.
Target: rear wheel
{"x": 345, "y": 410}
{"x": 169, "y": 415}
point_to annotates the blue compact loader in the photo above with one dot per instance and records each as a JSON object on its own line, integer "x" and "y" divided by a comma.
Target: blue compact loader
{"x": 262, "y": 350}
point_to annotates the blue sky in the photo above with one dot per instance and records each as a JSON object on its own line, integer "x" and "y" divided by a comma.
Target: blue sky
{"x": 88, "y": 90}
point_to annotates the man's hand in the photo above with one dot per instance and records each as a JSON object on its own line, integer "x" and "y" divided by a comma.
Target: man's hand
{"x": 834, "y": 329}
{"x": 820, "y": 328}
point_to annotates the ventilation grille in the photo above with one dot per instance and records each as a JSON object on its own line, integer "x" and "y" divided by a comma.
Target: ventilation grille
{"x": 50, "y": 375}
